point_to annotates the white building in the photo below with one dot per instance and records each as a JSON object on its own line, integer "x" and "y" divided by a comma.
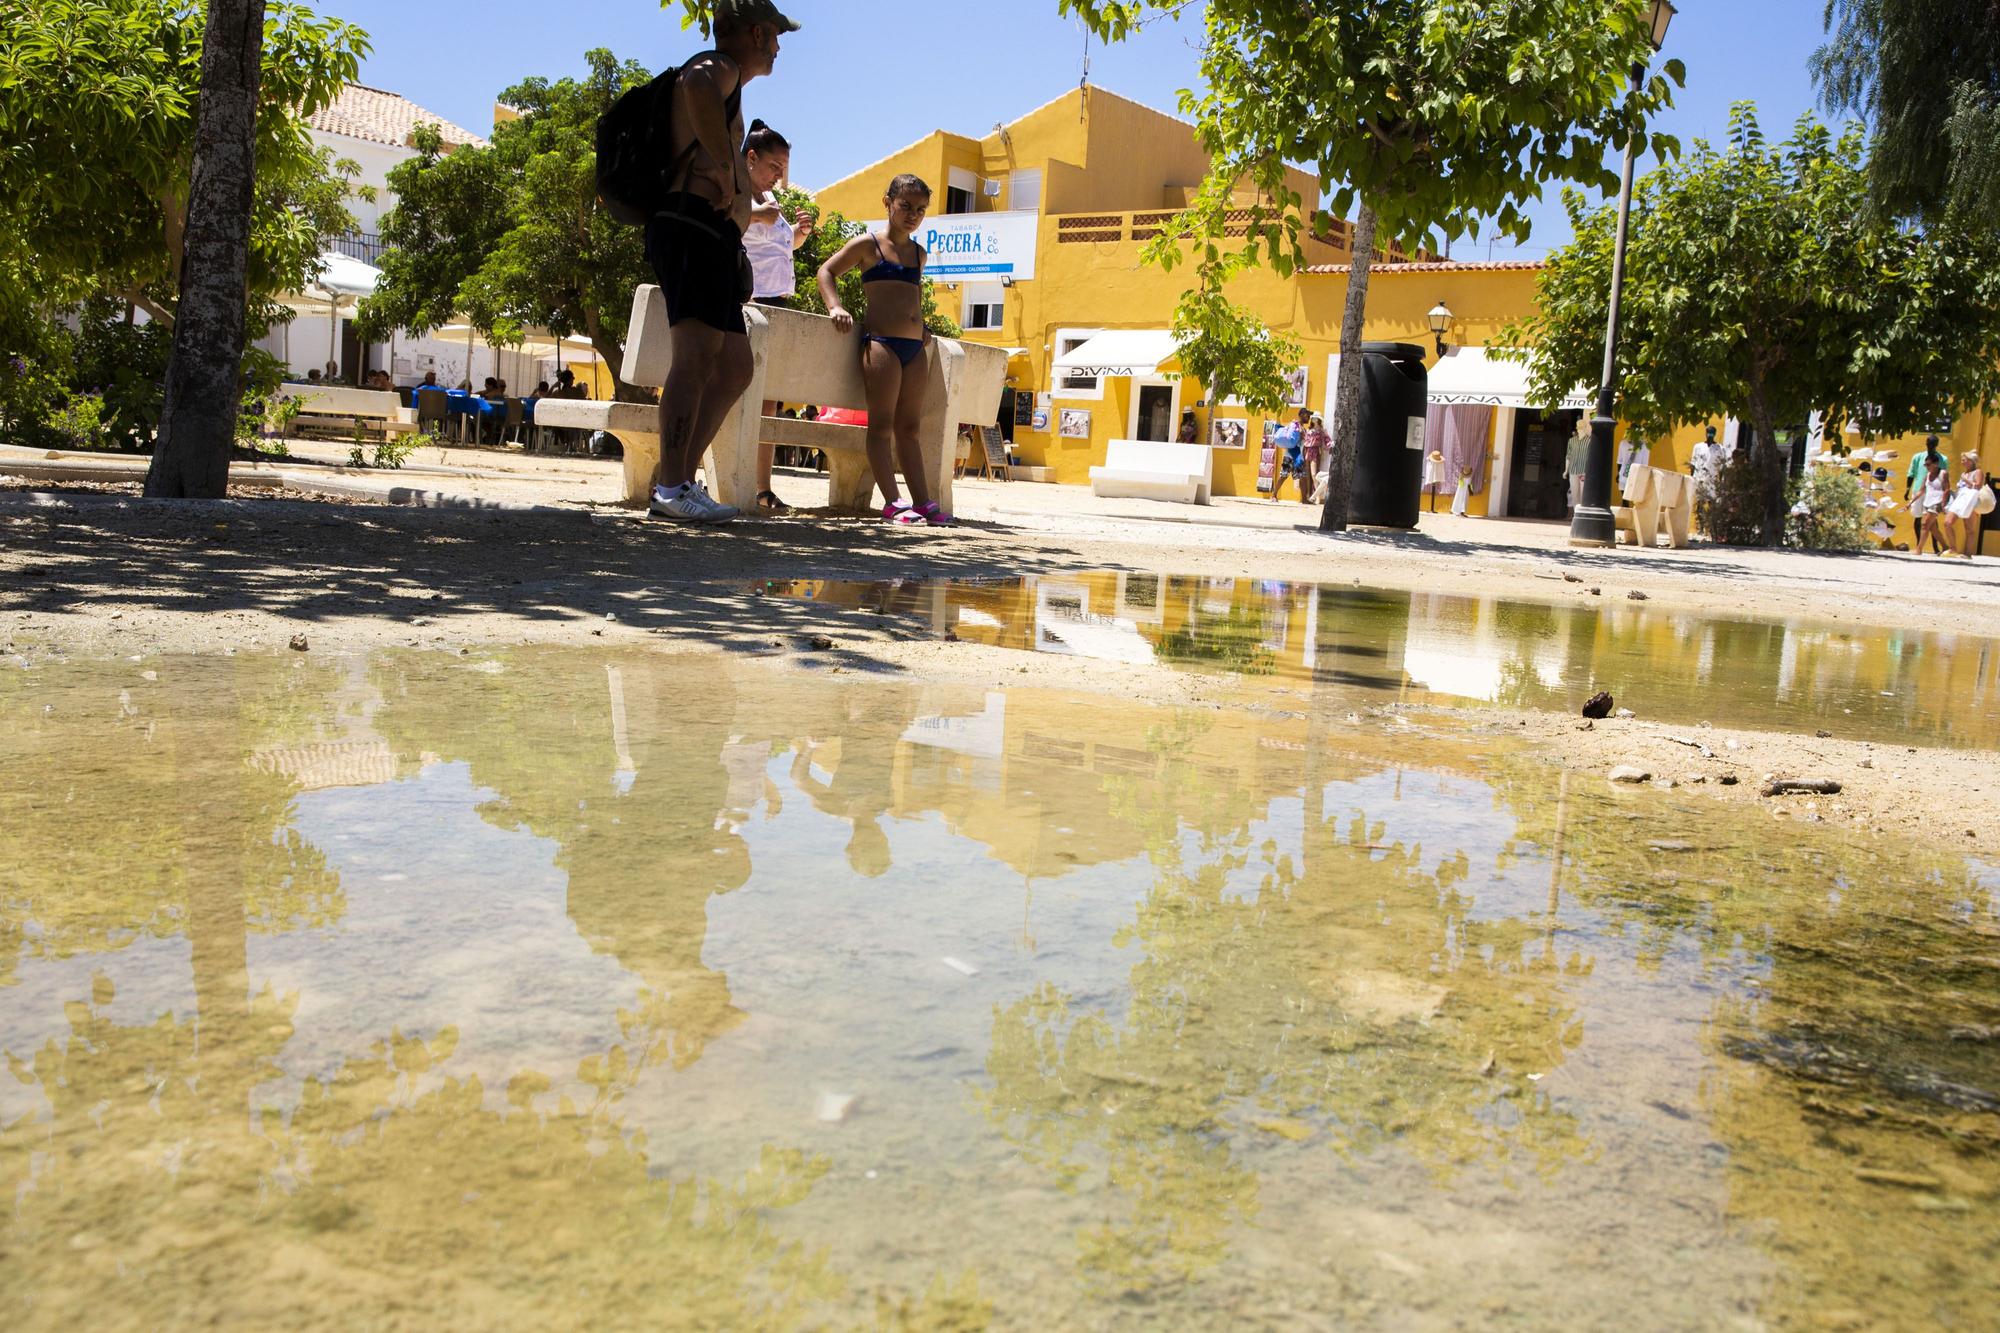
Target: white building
{"x": 375, "y": 130}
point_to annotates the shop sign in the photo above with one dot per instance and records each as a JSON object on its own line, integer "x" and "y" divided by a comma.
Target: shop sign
{"x": 978, "y": 245}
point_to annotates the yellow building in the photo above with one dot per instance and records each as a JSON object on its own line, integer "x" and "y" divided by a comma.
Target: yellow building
{"x": 1036, "y": 234}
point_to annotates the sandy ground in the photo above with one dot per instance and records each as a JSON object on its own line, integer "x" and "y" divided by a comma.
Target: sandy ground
{"x": 88, "y": 569}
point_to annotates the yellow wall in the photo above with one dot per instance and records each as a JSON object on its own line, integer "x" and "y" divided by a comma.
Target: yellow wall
{"x": 1121, "y": 165}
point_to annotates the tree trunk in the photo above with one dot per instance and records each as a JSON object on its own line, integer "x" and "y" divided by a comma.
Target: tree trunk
{"x": 203, "y": 390}
{"x": 1347, "y": 394}
{"x": 1769, "y": 465}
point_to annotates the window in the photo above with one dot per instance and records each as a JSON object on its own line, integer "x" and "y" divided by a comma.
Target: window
{"x": 1024, "y": 190}
{"x": 957, "y": 200}
{"x": 985, "y": 305}
{"x": 1076, "y": 386}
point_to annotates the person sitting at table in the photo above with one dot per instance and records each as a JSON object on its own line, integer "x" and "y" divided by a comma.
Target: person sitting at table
{"x": 541, "y": 392}
{"x": 312, "y": 376}
{"x": 492, "y": 392}
{"x": 430, "y": 380}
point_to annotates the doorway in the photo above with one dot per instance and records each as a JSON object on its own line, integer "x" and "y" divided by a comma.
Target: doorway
{"x": 1537, "y": 479}
{"x": 1153, "y": 412}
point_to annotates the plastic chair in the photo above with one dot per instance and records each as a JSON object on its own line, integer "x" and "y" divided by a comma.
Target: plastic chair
{"x": 432, "y": 410}
{"x": 510, "y": 429}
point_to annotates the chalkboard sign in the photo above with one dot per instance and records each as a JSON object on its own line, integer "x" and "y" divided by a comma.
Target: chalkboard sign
{"x": 1024, "y": 409}
{"x": 996, "y": 448}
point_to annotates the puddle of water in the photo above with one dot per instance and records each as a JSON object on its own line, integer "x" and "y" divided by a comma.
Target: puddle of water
{"x": 1892, "y": 687}
{"x": 547, "y": 987}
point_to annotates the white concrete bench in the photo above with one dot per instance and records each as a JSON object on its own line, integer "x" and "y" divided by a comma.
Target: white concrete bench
{"x": 1150, "y": 470}
{"x": 1656, "y": 498}
{"x": 337, "y": 407}
{"x": 796, "y": 358}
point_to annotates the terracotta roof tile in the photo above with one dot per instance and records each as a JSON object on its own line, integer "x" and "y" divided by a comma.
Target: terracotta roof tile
{"x": 375, "y": 116}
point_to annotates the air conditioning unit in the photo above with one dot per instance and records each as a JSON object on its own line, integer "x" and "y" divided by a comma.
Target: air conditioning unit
{"x": 993, "y": 189}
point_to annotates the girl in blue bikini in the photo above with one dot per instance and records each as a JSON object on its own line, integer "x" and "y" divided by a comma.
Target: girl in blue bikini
{"x": 892, "y": 348}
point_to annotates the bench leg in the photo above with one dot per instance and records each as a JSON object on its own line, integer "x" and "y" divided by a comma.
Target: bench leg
{"x": 939, "y": 432}
{"x": 1677, "y": 525}
{"x": 1646, "y": 524}
{"x": 642, "y": 460}
{"x": 853, "y": 481}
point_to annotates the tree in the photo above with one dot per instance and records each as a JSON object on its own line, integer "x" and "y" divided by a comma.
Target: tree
{"x": 514, "y": 235}
{"x": 1760, "y": 284}
{"x": 198, "y": 406}
{"x": 120, "y": 78}
{"x": 1430, "y": 115}
{"x": 1926, "y": 75}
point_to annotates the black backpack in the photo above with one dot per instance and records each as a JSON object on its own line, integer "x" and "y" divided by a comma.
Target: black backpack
{"x": 634, "y": 174}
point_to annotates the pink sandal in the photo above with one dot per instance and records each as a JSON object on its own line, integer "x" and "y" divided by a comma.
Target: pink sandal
{"x": 936, "y": 517}
{"x": 900, "y": 512}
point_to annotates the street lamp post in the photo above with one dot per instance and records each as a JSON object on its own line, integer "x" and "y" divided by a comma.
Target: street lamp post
{"x": 1593, "y": 524}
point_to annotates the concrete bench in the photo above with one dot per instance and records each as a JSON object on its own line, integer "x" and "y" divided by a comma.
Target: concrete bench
{"x": 338, "y": 408}
{"x": 1150, "y": 470}
{"x": 1655, "y": 499}
{"x": 796, "y": 358}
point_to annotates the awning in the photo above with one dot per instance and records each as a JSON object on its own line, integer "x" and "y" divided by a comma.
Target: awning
{"x": 1467, "y": 377}
{"x": 1120, "y": 352}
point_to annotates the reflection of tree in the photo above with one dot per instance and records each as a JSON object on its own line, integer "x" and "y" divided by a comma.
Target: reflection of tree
{"x": 1352, "y": 1001}
{"x": 388, "y": 1193}
{"x": 621, "y": 768}
{"x": 1848, "y": 976}
{"x": 128, "y": 799}
{"x": 1233, "y": 641}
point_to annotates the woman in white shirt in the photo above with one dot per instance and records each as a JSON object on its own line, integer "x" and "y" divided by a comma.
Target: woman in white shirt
{"x": 770, "y": 240}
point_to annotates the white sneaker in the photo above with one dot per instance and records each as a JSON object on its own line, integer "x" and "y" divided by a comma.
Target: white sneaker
{"x": 689, "y": 504}
{"x": 722, "y": 513}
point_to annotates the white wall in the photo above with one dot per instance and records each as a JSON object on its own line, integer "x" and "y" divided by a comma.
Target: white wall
{"x": 375, "y": 161}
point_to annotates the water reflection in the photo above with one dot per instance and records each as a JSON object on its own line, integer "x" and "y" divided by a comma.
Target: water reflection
{"x": 1889, "y": 687}
{"x": 546, "y": 985}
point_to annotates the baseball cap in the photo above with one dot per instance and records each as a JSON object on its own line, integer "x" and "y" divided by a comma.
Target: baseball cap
{"x": 754, "y": 11}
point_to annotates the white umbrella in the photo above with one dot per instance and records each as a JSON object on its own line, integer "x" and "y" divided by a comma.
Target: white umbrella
{"x": 340, "y": 285}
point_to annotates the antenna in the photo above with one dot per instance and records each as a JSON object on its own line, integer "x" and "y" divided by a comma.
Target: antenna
{"x": 1084, "y": 83}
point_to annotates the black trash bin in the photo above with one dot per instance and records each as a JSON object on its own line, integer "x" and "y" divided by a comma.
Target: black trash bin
{"x": 1389, "y": 444}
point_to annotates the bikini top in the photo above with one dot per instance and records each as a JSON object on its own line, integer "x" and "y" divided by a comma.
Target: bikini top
{"x": 888, "y": 270}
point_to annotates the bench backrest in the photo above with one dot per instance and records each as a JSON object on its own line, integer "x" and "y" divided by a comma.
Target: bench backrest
{"x": 1192, "y": 460}
{"x": 807, "y": 360}
{"x": 338, "y": 400}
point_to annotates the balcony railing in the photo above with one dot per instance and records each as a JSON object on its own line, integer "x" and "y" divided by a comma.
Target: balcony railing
{"x": 364, "y": 246}
{"x": 1113, "y": 228}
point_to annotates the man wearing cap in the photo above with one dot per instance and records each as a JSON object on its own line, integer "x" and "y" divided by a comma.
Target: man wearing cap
{"x": 696, "y": 249}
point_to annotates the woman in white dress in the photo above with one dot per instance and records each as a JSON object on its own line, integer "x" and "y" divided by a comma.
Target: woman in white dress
{"x": 1962, "y": 511}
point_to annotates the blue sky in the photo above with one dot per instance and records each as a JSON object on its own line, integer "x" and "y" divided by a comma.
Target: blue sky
{"x": 863, "y": 80}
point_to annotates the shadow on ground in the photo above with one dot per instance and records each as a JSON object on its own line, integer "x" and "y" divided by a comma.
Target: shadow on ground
{"x": 315, "y": 564}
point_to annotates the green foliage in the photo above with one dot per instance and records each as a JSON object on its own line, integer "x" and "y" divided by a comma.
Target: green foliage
{"x": 513, "y": 235}
{"x": 1430, "y": 116}
{"x": 1828, "y": 512}
{"x": 1760, "y": 284}
{"x": 1733, "y": 513}
{"x": 1926, "y": 75}
{"x": 96, "y": 146}
{"x": 97, "y": 142}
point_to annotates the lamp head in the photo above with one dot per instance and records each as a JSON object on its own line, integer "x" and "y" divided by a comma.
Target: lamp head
{"x": 1441, "y": 319}
{"x": 1662, "y": 15}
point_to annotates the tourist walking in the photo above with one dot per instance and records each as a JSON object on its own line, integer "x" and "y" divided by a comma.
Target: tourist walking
{"x": 1315, "y": 448}
{"x": 1971, "y": 501}
{"x": 771, "y": 240}
{"x": 695, "y": 245}
{"x": 892, "y": 348}
{"x": 1925, "y": 487}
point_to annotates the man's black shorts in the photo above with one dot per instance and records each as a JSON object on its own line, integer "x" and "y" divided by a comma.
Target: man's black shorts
{"x": 697, "y": 255}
